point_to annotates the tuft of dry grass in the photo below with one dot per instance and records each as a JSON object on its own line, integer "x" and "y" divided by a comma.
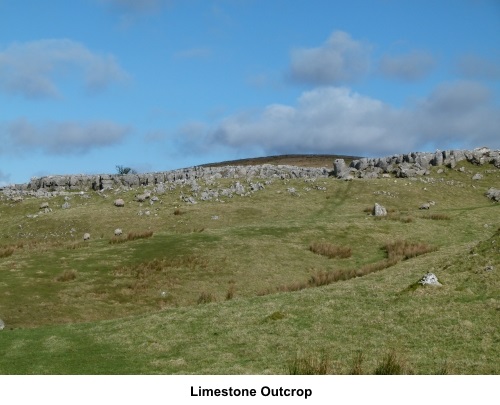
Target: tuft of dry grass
{"x": 330, "y": 251}
{"x": 230, "y": 291}
{"x": 131, "y": 236}
{"x": 206, "y": 298}
{"x": 403, "y": 250}
{"x": 357, "y": 364}
{"x": 177, "y": 211}
{"x": 6, "y": 252}
{"x": 309, "y": 365}
{"x": 67, "y": 275}
{"x": 391, "y": 364}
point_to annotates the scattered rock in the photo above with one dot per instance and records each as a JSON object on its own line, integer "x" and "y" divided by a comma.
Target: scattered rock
{"x": 119, "y": 202}
{"x": 141, "y": 197}
{"x": 44, "y": 205}
{"x": 477, "y": 176}
{"x": 379, "y": 211}
{"x": 66, "y": 205}
{"x": 2, "y": 324}
{"x": 429, "y": 279}
{"x": 493, "y": 194}
{"x": 118, "y": 232}
{"x": 188, "y": 199}
{"x": 489, "y": 268}
{"x": 425, "y": 206}
{"x": 86, "y": 236}
{"x": 340, "y": 169}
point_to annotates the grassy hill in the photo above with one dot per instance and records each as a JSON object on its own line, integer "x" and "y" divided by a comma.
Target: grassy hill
{"x": 245, "y": 286}
{"x": 316, "y": 160}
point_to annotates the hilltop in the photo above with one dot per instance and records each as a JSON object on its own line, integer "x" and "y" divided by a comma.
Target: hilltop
{"x": 301, "y": 160}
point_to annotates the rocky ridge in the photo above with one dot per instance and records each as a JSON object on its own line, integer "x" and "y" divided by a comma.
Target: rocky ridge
{"x": 408, "y": 165}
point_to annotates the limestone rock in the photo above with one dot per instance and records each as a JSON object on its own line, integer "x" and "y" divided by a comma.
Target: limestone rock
{"x": 379, "y": 211}
{"x": 340, "y": 169}
{"x": 119, "y": 202}
{"x": 493, "y": 194}
{"x": 2, "y": 324}
{"x": 118, "y": 232}
{"x": 429, "y": 279}
{"x": 141, "y": 197}
{"x": 86, "y": 236}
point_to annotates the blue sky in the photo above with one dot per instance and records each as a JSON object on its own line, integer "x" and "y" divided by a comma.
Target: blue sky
{"x": 155, "y": 85}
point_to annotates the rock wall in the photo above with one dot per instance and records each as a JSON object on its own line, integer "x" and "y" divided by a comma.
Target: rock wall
{"x": 108, "y": 181}
{"x": 414, "y": 164}
{"x": 403, "y": 165}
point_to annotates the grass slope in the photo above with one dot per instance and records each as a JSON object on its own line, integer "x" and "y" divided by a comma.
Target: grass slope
{"x": 74, "y": 307}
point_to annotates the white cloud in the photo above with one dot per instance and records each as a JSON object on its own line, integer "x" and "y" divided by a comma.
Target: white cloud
{"x": 60, "y": 138}
{"x": 338, "y": 120}
{"x": 477, "y": 67}
{"x": 32, "y": 69}
{"x": 339, "y": 60}
{"x": 461, "y": 112}
{"x": 409, "y": 67}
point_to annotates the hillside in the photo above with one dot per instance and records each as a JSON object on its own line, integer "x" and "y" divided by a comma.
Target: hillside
{"x": 260, "y": 274}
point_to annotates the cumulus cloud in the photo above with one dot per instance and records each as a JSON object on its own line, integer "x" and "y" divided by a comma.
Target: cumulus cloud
{"x": 477, "y": 67}
{"x": 338, "y": 120}
{"x": 59, "y": 138}
{"x": 32, "y": 69}
{"x": 340, "y": 60}
{"x": 461, "y": 112}
{"x": 409, "y": 67}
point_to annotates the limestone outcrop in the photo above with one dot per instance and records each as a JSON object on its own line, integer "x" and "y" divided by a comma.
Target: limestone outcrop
{"x": 408, "y": 165}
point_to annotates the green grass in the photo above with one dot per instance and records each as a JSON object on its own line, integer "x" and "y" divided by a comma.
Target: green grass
{"x": 245, "y": 294}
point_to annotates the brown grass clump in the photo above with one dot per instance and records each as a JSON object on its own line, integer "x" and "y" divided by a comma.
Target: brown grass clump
{"x": 131, "y": 236}
{"x": 330, "y": 251}
{"x": 177, "y": 211}
{"x": 403, "y": 250}
{"x": 309, "y": 365}
{"x": 357, "y": 364}
{"x": 6, "y": 252}
{"x": 391, "y": 364}
{"x": 67, "y": 275}
{"x": 230, "y": 291}
{"x": 206, "y": 298}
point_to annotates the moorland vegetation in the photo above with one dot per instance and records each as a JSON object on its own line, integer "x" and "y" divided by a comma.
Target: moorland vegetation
{"x": 269, "y": 282}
